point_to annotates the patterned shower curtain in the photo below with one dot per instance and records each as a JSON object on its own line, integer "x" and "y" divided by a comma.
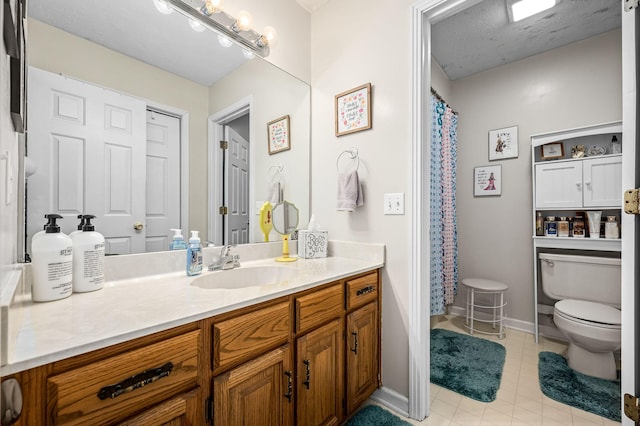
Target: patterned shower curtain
{"x": 444, "y": 235}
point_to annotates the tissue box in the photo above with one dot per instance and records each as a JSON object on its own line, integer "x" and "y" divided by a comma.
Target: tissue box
{"x": 312, "y": 244}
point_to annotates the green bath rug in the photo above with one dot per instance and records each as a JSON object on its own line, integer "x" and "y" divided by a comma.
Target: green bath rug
{"x": 468, "y": 365}
{"x": 372, "y": 415}
{"x": 561, "y": 383}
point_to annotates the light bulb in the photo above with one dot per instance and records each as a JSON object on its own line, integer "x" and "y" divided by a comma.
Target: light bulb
{"x": 224, "y": 41}
{"x": 163, "y": 7}
{"x": 247, "y": 54}
{"x": 244, "y": 21}
{"x": 270, "y": 35}
{"x": 196, "y": 26}
{"x": 211, "y": 6}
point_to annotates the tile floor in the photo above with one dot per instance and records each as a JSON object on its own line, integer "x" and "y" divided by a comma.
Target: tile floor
{"x": 519, "y": 401}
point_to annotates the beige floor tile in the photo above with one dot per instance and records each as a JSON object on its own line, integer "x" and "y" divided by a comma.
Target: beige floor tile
{"x": 443, "y": 409}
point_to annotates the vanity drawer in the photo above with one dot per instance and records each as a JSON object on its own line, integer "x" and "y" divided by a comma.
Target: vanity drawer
{"x": 246, "y": 336}
{"x": 318, "y": 307}
{"x": 362, "y": 290}
{"x": 117, "y": 387}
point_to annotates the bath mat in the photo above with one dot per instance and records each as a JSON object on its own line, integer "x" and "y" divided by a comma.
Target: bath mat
{"x": 372, "y": 415}
{"x": 561, "y": 383}
{"x": 465, "y": 364}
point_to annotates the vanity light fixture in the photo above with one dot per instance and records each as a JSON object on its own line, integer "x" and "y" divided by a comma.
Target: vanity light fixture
{"x": 521, "y": 9}
{"x": 162, "y": 7}
{"x": 196, "y": 26}
{"x": 224, "y": 42}
{"x": 209, "y": 14}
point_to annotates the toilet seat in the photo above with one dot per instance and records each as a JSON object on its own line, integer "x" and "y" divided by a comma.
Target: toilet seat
{"x": 589, "y": 313}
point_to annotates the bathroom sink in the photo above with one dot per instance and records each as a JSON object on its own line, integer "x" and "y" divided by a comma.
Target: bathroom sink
{"x": 248, "y": 276}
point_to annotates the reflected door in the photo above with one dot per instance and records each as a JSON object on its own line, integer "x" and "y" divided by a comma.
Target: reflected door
{"x": 88, "y": 147}
{"x": 237, "y": 189}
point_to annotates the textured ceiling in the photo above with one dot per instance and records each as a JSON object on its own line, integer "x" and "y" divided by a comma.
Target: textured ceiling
{"x": 481, "y": 37}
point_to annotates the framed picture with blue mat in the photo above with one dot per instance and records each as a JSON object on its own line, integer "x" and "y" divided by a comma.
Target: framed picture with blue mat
{"x": 468, "y": 365}
{"x": 592, "y": 394}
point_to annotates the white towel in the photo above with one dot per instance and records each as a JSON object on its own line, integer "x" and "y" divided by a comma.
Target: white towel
{"x": 273, "y": 193}
{"x": 350, "y": 193}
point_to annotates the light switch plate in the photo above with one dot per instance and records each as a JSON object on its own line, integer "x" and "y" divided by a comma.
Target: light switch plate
{"x": 394, "y": 203}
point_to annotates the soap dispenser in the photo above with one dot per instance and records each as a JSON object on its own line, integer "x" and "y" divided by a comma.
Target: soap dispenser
{"x": 80, "y": 225}
{"x": 88, "y": 258}
{"x": 178, "y": 242}
{"x": 194, "y": 255}
{"x": 52, "y": 263}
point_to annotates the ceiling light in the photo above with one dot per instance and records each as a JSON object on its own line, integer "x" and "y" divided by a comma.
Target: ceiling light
{"x": 197, "y": 26}
{"x": 162, "y": 7}
{"x": 224, "y": 41}
{"x": 521, "y": 9}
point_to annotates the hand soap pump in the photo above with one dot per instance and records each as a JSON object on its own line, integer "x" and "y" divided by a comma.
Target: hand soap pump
{"x": 88, "y": 258}
{"x": 178, "y": 242}
{"x": 80, "y": 225}
{"x": 194, "y": 255}
{"x": 52, "y": 263}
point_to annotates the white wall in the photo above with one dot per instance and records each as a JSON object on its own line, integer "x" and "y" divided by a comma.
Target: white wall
{"x": 369, "y": 41}
{"x": 543, "y": 93}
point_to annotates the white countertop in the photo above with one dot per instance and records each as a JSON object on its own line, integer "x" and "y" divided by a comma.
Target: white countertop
{"x": 130, "y": 308}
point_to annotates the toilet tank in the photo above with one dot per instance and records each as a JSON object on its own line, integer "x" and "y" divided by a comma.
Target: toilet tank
{"x": 596, "y": 279}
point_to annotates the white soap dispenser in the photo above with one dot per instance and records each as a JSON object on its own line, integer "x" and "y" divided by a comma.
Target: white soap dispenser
{"x": 80, "y": 225}
{"x": 194, "y": 255}
{"x": 178, "y": 242}
{"x": 88, "y": 258}
{"x": 51, "y": 263}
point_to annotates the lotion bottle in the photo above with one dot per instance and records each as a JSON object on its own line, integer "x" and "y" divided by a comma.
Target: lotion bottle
{"x": 178, "y": 242}
{"x": 80, "y": 225}
{"x": 88, "y": 258}
{"x": 52, "y": 263}
{"x": 194, "y": 255}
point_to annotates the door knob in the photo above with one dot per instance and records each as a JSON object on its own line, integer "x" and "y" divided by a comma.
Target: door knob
{"x": 138, "y": 226}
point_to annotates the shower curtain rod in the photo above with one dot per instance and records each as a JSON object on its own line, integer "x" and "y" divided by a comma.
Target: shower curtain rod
{"x": 441, "y": 99}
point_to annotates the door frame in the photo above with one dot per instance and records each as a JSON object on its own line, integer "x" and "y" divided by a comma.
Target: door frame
{"x": 424, "y": 13}
{"x": 215, "y": 190}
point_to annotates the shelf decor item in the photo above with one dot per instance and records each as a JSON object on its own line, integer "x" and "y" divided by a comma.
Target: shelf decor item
{"x": 353, "y": 110}
{"x": 487, "y": 180}
{"x": 278, "y": 135}
{"x": 551, "y": 151}
{"x": 503, "y": 143}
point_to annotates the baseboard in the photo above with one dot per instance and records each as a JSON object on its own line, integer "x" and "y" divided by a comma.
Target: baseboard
{"x": 392, "y": 400}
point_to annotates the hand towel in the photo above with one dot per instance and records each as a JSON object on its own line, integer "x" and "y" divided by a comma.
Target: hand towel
{"x": 273, "y": 192}
{"x": 349, "y": 192}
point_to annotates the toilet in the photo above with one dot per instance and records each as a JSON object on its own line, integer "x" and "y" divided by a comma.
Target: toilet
{"x": 587, "y": 311}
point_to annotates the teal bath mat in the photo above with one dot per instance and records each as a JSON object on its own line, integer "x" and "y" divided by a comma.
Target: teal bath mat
{"x": 372, "y": 415}
{"x": 561, "y": 383}
{"x": 465, "y": 364}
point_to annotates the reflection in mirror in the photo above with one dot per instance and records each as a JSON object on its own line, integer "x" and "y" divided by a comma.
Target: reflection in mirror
{"x": 285, "y": 222}
{"x": 140, "y": 101}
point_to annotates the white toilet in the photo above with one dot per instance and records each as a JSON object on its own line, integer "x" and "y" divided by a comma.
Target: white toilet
{"x": 588, "y": 309}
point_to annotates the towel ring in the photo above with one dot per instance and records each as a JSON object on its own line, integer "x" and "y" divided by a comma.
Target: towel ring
{"x": 353, "y": 155}
{"x": 277, "y": 173}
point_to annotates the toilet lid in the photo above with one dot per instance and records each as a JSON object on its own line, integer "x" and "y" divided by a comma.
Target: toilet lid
{"x": 590, "y": 311}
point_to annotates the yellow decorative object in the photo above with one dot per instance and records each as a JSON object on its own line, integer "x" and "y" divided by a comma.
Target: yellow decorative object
{"x": 285, "y": 251}
{"x": 266, "y": 222}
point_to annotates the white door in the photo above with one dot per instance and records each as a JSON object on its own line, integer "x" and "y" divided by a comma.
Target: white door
{"x": 163, "y": 180}
{"x": 558, "y": 184}
{"x": 237, "y": 189}
{"x": 89, "y": 153}
{"x": 602, "y": 179}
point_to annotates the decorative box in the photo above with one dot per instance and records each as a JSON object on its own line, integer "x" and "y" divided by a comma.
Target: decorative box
{"x": 312, "y": 244}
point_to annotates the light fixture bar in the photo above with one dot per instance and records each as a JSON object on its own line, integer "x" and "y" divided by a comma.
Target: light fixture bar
{"x": 248, "y": 39}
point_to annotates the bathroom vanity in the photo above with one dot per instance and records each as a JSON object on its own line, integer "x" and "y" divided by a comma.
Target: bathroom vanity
{"x": 161, "y": 350}
{"x": 574, "y": 172}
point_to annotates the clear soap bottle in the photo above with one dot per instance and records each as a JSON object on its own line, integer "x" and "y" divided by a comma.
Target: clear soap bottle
{"x": 178, "y": 242}
{"x": 194, "y": 255}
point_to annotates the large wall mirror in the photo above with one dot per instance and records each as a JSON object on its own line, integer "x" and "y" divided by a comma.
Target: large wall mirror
{"x": 126, "y": 108}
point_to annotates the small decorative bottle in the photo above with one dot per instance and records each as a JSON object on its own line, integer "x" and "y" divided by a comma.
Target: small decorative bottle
{"x": 563, "y": 227}
{"x": 611, "y": 229}
{"x": 539, "y": 224}
{"x": 550, "y": 227}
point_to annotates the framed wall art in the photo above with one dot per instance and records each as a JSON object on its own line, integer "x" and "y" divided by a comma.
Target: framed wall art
{"x": 551, "y": 151}
{"x": 353, "y": 110}
{"x": 503, "y": 143}
{"x": 278, "y": 134}
{"x": 487, "y": 180}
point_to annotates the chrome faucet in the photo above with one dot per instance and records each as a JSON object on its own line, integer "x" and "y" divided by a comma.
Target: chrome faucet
{"x": 225, "y": 260}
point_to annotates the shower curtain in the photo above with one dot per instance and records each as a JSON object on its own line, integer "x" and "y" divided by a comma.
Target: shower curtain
{"x": 443, "y": 238}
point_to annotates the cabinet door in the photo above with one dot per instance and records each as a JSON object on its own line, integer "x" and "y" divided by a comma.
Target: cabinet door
{"x": 319, "y": 368}
{"x": 362, "y": 355}
{"x": 258, "y": 392}
{"x": 177, "y": 411}
{"x": 559, "y": 185}
{"x": 602, "y": 182}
